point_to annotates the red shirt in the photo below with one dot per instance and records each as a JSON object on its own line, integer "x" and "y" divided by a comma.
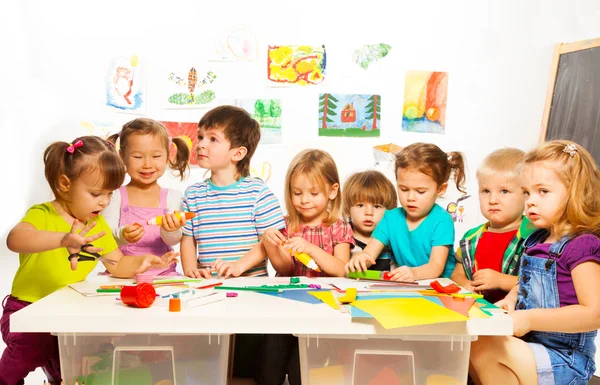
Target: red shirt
{"x": 489, "y": 254}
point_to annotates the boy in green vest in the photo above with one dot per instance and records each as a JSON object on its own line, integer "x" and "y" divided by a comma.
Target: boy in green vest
{"x": 489, "y": 254}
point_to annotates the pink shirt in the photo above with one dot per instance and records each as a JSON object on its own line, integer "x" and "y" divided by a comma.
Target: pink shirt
{"x": 325, "y": 237}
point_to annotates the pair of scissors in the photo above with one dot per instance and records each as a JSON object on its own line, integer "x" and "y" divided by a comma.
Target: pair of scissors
{"x": 89, "y": 255}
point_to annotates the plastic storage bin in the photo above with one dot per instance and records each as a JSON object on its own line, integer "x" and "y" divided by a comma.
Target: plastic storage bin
{"x": 384, "y": 360}
{"x": 144, "y": 359}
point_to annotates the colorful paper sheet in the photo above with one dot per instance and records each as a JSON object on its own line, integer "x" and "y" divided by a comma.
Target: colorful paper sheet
{"x": 460, "y": 306}
{"x": 297, "y": 295}
{"x": 327, "y": 297}
{"x": 476, "y": 312}
{"x": 403, "y": 312}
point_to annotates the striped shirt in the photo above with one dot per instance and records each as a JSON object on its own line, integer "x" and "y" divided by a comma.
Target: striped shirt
{"x": 230, "y": 219}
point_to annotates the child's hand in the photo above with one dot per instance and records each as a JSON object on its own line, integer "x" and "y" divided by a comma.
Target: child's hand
{"x": 152, "y": 261}
{"x": 73, "y": 240}
{"x": 227, "y": 269}
{"x": 361, "y": 261}
{"x": 170, "y": 222}
{"x": 274, "y": 237}
{"x": 133, "y": 233}
{"x": 470, "y": 287}
{"x": 402, "y": 274}
{"x": 198, "y": 273}
{"x": 521, "y": 324}
{"x": 508, "y": 303}
{"x": 486, "y": 279}
{"x": 297, "y": 245}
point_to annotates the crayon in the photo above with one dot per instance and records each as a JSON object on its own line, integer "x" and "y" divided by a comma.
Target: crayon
{"x": 178, "y": 214}
{"x": 307, "y": 261}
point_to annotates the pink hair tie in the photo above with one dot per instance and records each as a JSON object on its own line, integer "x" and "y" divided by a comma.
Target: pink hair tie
{"x": 71, "y": 149}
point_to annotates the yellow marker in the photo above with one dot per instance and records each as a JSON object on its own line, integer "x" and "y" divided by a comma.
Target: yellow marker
{"x": 307, "y": 261}
{"x": 349, "y": 297}
{"x": 178, "y": 214}
{"x": 467, "y": 295}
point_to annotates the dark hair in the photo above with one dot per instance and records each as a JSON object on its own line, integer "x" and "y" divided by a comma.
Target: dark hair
{"x": 238, "y": 127}
{"x": 89, "y": 153}
{"x": 431, "y": 160}
{"x": 369, "y": 187}
{"x": 145, "y": 126}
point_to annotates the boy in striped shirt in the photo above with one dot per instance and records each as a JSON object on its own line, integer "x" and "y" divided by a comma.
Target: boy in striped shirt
{"x": 232, "y": 209}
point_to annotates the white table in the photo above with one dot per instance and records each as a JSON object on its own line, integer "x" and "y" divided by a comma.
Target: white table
{"x": 68, "y": 313}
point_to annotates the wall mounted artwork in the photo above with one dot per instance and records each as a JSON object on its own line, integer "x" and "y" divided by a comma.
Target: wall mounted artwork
{"x": 268, "y": 114}
{"x": 425, "y": 95}
{"x": 190, "y": 88}
{"x": 349, "y": 115}
{"x": 300, "y": 65}
{"x": 237, "y": 43}
{"x": 125, "y": 84}
{"x": 370, "y": 53}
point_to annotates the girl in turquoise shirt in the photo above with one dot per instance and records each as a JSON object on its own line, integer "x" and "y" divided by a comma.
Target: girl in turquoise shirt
{"x": 420, "y": 233}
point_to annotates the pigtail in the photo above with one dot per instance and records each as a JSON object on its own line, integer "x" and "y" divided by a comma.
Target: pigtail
{"x": 457, "y": 165}
{"x": 55, "y": 157}
{"x": 182, "y": 157}
{"x": 112, "y": 140}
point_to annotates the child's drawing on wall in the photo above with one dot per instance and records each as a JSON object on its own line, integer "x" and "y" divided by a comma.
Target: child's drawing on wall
{"x": 190, "y": 88}
{"x": 425, "y": 95}
{"x": 300, "y": 65}
{"x": 349, "y": 115}
{"x": 125, "y": 84}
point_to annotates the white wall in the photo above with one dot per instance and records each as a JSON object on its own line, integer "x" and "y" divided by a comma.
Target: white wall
{"x": 497, "y": 53}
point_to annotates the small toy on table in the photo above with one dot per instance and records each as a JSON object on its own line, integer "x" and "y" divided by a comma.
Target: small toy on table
{"x": 437, "y": 286}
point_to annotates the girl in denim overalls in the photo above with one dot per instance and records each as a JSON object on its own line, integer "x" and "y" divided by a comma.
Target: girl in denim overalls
{"x": 145, "y": 147}
{"x": 556, "y": 306}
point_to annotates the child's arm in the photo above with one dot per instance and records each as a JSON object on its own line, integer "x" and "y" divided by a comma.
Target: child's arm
{"x": 170, "y": 231}
{"x": 131, "y": 265}
{"x": 459, "y": 276}
{"x": 432, "y": 269}
{"x": 586, "y": 279}
{"x": 24, "y": 238}
{"x": 334, "y": 265}
{"x": 362, "y": 260}
{"x": 252, "y": 258}
{"x": 189, "y": 260}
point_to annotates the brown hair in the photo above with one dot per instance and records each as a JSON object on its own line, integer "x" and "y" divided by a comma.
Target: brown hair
{"x": 238, "y": 127}
{"x": 429, "y": 159}
{"x": 579, "y": 174}
{"x": 319, "y": 167}
{"x": 94, "y": 154}
{"x": 507, "y": 161}
{"x": 145, "y": 126}
{"x": 369, "y": 186}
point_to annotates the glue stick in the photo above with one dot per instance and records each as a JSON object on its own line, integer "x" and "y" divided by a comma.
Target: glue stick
{"x": 178, "y": 214}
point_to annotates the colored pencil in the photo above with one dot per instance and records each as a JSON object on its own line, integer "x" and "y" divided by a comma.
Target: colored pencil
{"x": 208, "y": 286}
{"x": 249, "y": 288}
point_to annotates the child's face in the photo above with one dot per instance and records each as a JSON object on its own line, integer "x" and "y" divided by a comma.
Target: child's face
{"x": 501, "y": 200}
{"x": 545, "y": 194}
{"x": 310, "y": 200}
{"x": 214, "y": 150}
{"x": 417, "y": 192}
{"x": 85, "y": 197}
{"x": 365, "y": 216}
{"x": 145, "y": 158}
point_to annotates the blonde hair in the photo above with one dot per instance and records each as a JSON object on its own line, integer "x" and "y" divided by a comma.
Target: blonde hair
{"x": 579, "y": 173}
{"x": 319, "y": 167}
{"x": 429, "y": 159}
{"x": 368, "y": 186}
{"x": 507, "y": 161}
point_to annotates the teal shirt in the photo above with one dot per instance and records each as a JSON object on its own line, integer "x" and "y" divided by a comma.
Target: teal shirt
{"x": 413, "y": 248}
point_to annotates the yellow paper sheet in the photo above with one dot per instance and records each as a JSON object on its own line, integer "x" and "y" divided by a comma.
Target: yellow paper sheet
{"x": 475, "y": 312}
{"x": 401, "y": 312}
{"x": 325, "y": 296}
